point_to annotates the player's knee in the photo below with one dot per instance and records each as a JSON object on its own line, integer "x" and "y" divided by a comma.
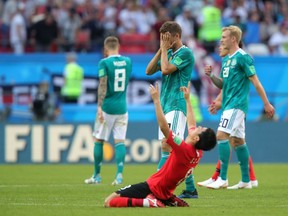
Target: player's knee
{"x": 222, "y": 136}
{"x": 235, "y": 141}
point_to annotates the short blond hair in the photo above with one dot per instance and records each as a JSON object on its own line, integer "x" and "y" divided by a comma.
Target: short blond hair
{"x": 111, "y": 43}
{"x": 234, "y": 31}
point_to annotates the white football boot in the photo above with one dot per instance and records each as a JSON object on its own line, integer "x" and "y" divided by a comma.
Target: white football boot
{"x": 93, "y": 180}
{"x": 219, "y": 183}
{"x": 254, "y": 183}
{"x": 206, "y": 182}
{"x": 241, "y": 185}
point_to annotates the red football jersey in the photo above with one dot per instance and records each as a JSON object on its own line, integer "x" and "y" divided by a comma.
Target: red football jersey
{"x": 183, "y": 158}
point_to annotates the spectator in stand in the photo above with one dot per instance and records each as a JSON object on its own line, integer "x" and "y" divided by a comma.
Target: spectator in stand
{"x": 110, "y": 18}
{"x": 44, "y": 32}
{"x": 270, "y": 10}
{"x": 241, "y": 24}
{"x": 252, "y": 34}
{"x": 175, "y": 8}
{"x": 94, "y": 26}
{"x": 186, "y": 21}
{"x": 233, "y": 10}
{"x": 128, "y": 18}
{"x": 9, "y": 8}
{"x": 267, "y": 28}
{"x": 68, "y": 29}
{"x": 278, "y": 42}
{"x": 162, "y": 17}
{"x": 18, "y": 30}
{"x": 146, "y": 18}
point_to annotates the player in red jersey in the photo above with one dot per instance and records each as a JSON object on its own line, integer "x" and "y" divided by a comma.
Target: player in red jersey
{"x": 157, "y": 190}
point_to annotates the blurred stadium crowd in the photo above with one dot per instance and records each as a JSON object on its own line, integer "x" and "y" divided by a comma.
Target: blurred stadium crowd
{"x": 81, "y": 25}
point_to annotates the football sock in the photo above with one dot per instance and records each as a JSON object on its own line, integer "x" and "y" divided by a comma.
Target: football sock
{"x": 217, "y": 171}
{"x": 218, "y": 168}
{"x": 120, "y": 153}
{"x": 98, "y": 157}
{"x": 128, "y": 202}
{"x": 243, "y": 158}
{"x": 190, "y": 186}
{"x": 164, "y": 157}
{"x": 224, "y": 156}
{"x": 251, "y": 170}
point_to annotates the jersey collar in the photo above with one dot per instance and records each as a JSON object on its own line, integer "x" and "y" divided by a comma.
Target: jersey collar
{"x": 230, "y": 56}
{"x": 114, "y": 56}
{"x": 173, "y": 53}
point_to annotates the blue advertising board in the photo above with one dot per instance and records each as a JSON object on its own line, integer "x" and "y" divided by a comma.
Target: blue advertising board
{"x": 73, "y": 143}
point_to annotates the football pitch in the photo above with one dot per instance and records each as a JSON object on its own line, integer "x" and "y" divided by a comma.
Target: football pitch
{"x": 60, "y": 190}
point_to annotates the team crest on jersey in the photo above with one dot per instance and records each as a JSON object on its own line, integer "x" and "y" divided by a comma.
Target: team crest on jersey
{"x": 234, "y": 62}
{"x": 178, "y": 60}
{"x": 228, "y": 62}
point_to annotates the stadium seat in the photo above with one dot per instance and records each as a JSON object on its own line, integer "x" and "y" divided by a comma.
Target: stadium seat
{"x": 82, "y": 39}
{"x": 257, "y": 49}
{"x": 136, "y": 43}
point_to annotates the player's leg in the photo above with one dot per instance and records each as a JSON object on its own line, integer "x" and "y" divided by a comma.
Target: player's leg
{"x": 242, "y": 153}
{"x": 213, "y": 178}
{"x": 101, "y": 132}
{"x": 253, "y": 179}
{"x": 119, "y": 132}
{"x": 238, "y": 142}
{"x": 224, "y": 152}
{"x": 177, "y": 123}
{"x": 190, "y": 190}
{"x": 137, "y": 195}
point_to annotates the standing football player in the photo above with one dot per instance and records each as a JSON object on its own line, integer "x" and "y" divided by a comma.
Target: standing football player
{"x": 176, "y": 62}
{"x": 114, "y": 73}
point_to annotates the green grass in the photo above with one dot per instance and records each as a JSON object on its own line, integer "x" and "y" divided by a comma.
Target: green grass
{"x": 59, "y": 190}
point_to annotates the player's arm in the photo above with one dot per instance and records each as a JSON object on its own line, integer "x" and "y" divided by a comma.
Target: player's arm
{"x": 216, "y": 104}
{"x": 102, "y": 90}
{"x": 165, "y": 44}
{"x": 153, "y": 67}
{"x": 191, "y": 120}
{"x": 154, "y": 91}
{"x": 269, "y": 109}
{"x": 217, "y": 81}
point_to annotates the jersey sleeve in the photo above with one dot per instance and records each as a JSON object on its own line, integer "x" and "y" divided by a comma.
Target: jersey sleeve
{"x": 247, "y": 64}
{"x": 182, "y": 60}
{"x": 173, "y": 140}
{"x": 102, "y": 69}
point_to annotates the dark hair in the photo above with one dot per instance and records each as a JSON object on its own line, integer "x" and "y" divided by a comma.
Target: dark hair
{"x": 207, "y": 140}
{"x": 240, "y": 44}
{"x": 172, "y": 27}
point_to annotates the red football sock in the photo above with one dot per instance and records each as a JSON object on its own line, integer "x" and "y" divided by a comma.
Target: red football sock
{"x": 251, "y": 170}
{"x": 126, "y": 202}
{"x": 217, "y": 171}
